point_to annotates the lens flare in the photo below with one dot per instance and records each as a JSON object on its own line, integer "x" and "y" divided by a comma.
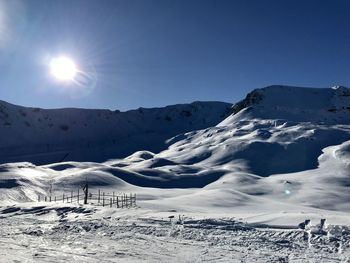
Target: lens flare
{"x": 63, "y": 68}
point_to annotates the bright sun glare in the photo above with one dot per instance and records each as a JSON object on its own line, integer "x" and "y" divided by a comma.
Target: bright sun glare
{"x": 63, "y": 68}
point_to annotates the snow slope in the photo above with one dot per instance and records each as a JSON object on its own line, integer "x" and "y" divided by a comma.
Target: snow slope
{"x": 46, "y": 136}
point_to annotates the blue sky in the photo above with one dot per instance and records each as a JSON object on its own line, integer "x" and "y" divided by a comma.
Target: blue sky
{"x": 154, "y": 53}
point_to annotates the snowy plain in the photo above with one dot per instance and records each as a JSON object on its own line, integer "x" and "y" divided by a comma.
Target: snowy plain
{"x": 235, "y": 190}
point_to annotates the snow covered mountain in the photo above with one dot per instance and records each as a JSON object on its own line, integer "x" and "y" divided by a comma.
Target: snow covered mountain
{"x": 277, "y": 130}
{"x": 46, "y": 136}
{"x": 274, "y": 130}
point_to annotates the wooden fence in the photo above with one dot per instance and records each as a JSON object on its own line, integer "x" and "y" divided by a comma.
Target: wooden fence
{"x": 100, "y": 198}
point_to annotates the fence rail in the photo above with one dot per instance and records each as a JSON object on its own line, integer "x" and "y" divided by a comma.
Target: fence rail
{"x": 100, "y": 198}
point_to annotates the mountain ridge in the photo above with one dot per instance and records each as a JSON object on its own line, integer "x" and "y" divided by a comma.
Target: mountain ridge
{"x": 33, "y": 133}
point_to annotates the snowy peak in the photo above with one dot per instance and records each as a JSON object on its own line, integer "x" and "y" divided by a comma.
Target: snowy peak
{"x": 328, "y": 105}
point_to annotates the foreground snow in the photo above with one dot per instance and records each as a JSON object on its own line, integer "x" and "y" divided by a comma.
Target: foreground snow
{"x": 39, "y": 233}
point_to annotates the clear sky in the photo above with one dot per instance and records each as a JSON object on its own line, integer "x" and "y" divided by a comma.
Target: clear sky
{"x": 154, "y": 53}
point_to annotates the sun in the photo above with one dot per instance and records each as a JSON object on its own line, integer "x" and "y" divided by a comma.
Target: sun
{"x": 63, "y": 68}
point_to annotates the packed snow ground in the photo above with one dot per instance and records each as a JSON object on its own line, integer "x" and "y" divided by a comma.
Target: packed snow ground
{"x": 88, "y": 234}
{"x": 234, "y": 192}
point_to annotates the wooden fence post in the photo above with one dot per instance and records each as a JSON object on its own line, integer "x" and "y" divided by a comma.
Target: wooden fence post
{"x": 50, "y": 198}
{"x": 117, "y": 202}
{"x": 78, "y": 196}
{"x": 113, "y": 198}
{"x": 63, "y": 198}
{"x": 110, "y": 202}
{"x": 45, "y": 198}
{"x": 55, "y": 199}
{"x": 71, "y": 196}
{"x": 38, "y": 198}
{"x": 103, "y": 199}
{"x": 99, "y": 194}
{"x": 86, "y": 193}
